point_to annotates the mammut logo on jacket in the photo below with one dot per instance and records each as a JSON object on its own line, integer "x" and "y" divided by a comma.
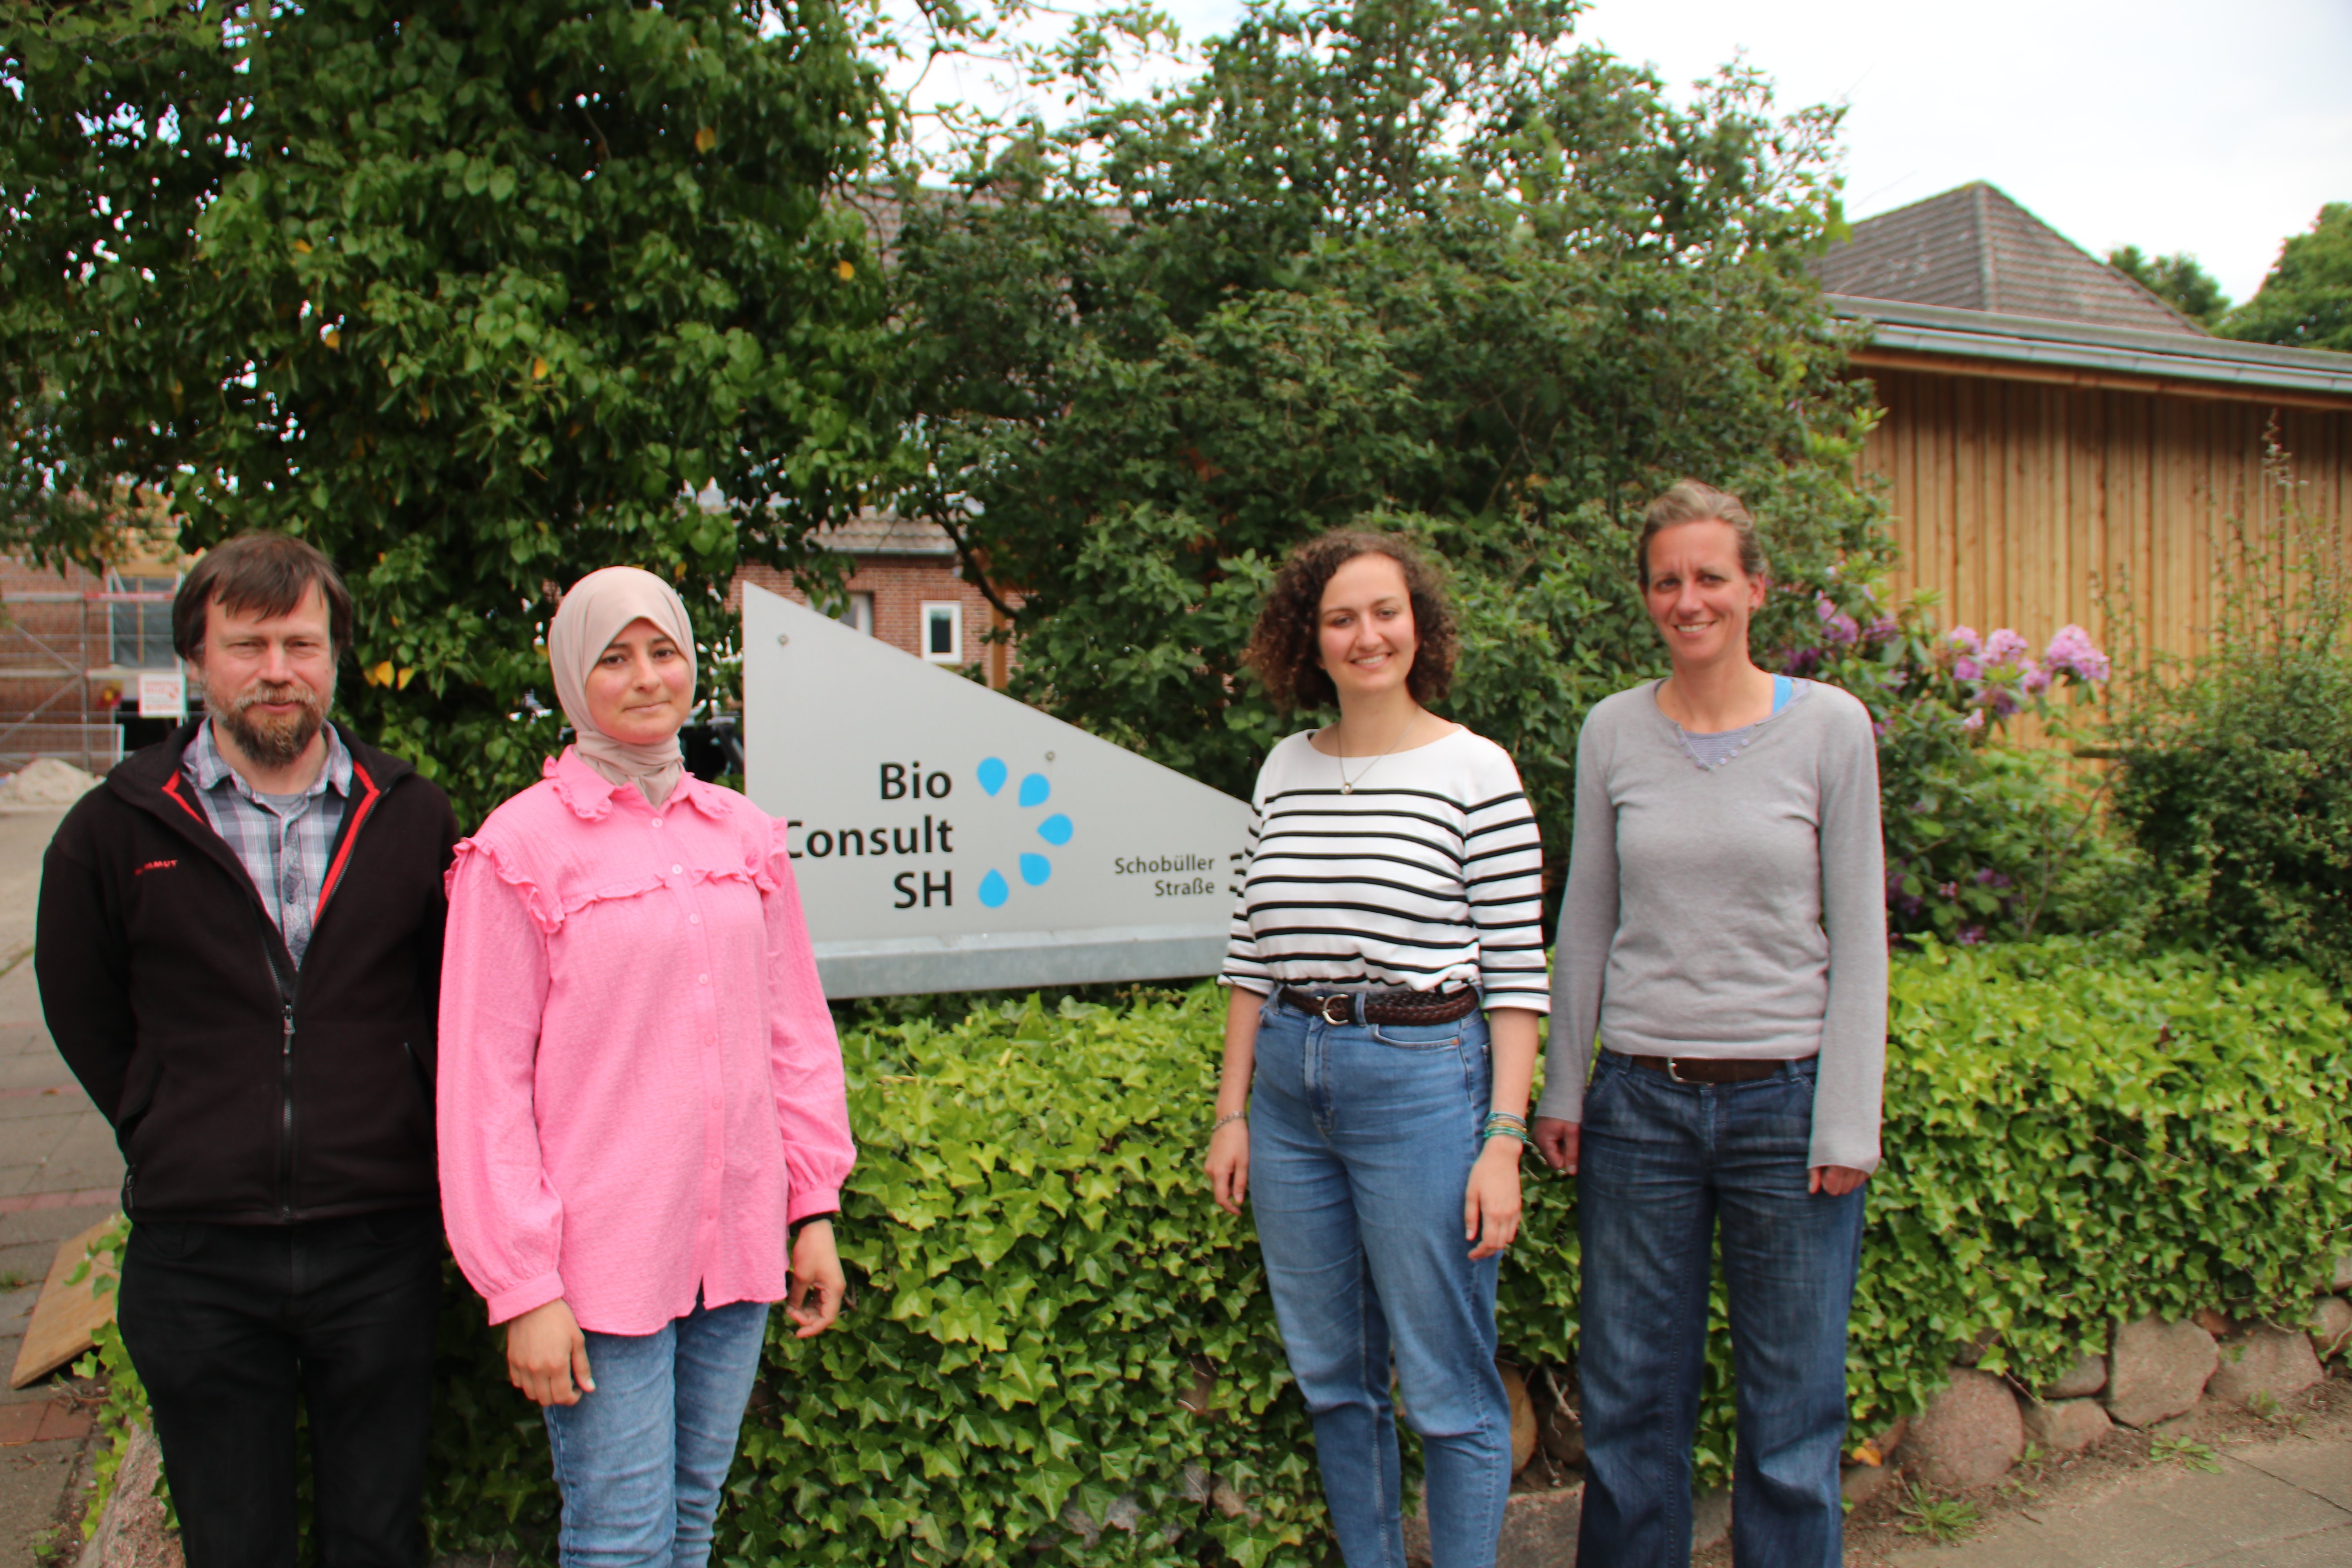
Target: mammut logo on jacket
{"x": 154, "y": 866}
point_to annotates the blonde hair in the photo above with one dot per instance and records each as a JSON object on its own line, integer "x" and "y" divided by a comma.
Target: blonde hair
{"x": 1691, "y": 501}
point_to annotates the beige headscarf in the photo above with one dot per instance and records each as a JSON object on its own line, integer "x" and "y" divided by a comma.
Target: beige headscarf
{"x": 596, "y": 610}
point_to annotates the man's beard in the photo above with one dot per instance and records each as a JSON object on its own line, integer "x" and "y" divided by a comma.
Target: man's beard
{"x": 274, "y": 742}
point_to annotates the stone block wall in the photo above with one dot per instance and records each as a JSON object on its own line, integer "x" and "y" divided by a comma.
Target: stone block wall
{"x": 1979, "y": 1426}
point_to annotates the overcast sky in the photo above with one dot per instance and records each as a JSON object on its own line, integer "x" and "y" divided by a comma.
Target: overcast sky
{"x": 2175, "y": 125}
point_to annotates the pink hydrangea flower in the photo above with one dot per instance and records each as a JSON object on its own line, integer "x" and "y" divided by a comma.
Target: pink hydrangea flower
{"x": 2004, "y": 646}
{"x": 2071, "y": 652}
{"x": 1965, "y": 638}
{"x": 1969, "y": 669}
{"x": 1975, "y": 720}
{"x": 2036, "y": 681}
{"x": 1836, "y": 625}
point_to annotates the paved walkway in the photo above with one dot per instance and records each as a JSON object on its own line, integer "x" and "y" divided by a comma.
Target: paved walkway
{"x": 60, "y": 1174}
{"x": 2280, "y": 1504}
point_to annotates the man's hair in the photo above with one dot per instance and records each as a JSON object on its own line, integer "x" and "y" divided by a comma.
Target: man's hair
{"x": 1691, "y": 501}
{"x": 1283, "y": 646}
{"x": 259, "y": 573}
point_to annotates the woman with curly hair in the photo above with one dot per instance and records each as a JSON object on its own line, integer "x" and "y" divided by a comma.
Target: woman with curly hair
{"x": 1387, "y": 971}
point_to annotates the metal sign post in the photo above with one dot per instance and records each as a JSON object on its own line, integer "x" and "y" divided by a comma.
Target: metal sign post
{"x": 946, "y": 837}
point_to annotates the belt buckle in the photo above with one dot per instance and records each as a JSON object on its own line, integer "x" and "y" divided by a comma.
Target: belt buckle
{"x": 1337, "y": 1008}
{"x": 1674, "y": 1074}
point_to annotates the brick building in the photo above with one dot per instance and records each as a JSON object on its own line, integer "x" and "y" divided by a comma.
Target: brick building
{"x": 908, "y": 591}
{"x": 74, "y": 646}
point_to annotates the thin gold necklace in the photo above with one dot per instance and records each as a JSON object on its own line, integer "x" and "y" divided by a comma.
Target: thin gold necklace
{"x": 1348, "y": 785}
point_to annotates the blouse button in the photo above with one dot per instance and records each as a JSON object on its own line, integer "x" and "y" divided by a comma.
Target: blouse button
{"x": 657, "y": 822}
{"x": 694, "y": 919}
{"x": 702, "y": 979}
{"x": 678, "y": 870}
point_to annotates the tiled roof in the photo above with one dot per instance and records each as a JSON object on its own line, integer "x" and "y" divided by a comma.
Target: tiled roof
{"x": 2213, "y": 366}
{"x": 887, "y": 533}
{"x": 1976, "y": 249}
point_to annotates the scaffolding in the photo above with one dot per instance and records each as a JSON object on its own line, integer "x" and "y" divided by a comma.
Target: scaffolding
{"x": 56, "y": 662}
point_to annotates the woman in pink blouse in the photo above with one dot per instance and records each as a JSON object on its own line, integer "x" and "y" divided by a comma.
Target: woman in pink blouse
{"x": 640, "y": 1093}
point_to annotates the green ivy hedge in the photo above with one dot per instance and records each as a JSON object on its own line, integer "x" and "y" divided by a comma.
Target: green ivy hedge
{"x": 1041, "y": 1290}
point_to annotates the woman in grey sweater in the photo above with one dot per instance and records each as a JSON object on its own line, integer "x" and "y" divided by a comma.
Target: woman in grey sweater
{"x": 1724, "y": 938}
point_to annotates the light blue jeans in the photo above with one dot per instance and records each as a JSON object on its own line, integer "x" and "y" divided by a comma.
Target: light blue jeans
{"x": 641, "y": 1460}
{"x": 1362, "y": 1139}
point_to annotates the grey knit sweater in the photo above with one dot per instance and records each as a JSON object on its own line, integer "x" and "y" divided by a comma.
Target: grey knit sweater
{"x": 1733, "y": 911}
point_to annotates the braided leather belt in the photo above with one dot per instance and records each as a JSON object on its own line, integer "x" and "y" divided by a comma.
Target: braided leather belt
{"x": 1705, "y": 1069}
{"x": 1385, "y": 1006}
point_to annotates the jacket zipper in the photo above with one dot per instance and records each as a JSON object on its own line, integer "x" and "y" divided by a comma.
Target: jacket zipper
{"x": 289, "y": 983}
{"x": 286, "y": 989}
{"x": 285, "y": 1120}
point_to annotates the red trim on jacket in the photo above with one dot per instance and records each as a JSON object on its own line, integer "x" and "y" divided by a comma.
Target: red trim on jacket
{"x": 172, "y": 788}
{"x": 350, "y": 835}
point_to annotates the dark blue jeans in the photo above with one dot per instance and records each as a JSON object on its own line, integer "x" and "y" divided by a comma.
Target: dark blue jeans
{"x": 1662, "y": 1164}
{"x": 1362, "y": 1139}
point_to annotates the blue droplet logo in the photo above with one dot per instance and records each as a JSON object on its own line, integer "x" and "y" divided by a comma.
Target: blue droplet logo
{"x": 1034, "y": 869}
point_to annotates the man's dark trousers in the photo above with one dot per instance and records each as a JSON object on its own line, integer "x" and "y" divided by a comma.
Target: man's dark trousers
{"x": 230, "y": 1325}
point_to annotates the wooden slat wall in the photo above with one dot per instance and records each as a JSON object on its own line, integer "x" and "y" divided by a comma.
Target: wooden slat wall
{"x": 2017, "y": 501}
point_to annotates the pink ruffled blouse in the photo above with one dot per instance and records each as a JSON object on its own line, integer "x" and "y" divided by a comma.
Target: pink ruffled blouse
{"x": 639, "y": 1084}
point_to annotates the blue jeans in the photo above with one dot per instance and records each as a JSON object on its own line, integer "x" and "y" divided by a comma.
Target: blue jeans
{"x": 1362, "y": 1139}
{"x": 1663, "y": 1162}
{"x": 641, "y": 1460}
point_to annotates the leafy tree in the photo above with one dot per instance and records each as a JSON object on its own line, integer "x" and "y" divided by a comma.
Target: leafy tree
{"x": 2306, "y": 302}
{"x": 1414, "y": 264}
{"x": 2178, "y": 280}
{"x": 474, "y": 294}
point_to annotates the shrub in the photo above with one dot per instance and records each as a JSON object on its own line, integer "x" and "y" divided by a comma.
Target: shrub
{"x": 1039, "y": 1282}
{"x": 1986, "y": 839}
{"x": 2075, "y": 1134}
{"x": 2236, "y": 776}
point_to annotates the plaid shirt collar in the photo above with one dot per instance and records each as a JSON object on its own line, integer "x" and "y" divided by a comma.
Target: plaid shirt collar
{"x": 210, "y": 768}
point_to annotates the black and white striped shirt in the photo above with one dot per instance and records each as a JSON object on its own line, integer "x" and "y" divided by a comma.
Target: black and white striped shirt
{"x": 1427, "y": 874}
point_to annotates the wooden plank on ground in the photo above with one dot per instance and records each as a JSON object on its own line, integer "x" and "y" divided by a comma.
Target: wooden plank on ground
{"x": 67, "y": 1317}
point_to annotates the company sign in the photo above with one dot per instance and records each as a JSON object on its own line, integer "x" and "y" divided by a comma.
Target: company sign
{"x": 946, "y": 837}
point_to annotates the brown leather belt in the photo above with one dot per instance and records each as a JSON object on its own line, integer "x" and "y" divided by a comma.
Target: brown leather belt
{"x": 1705, "y": 1069}
{"x": 1385, "y": 1006}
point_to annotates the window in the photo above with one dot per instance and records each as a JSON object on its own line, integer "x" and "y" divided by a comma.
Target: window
{"x": 857, "y": 613}
{"x": 140, "y": 635}
{"x": 943, "y": 633}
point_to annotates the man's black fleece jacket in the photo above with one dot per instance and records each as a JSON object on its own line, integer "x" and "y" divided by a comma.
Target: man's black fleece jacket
{"x": 241, "y": 1090}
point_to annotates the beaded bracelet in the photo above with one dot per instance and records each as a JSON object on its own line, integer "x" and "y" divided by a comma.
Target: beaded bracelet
{"x": 1219, "y": 1124}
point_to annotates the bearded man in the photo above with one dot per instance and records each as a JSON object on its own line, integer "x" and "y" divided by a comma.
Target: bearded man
{"x": 240, "y": 954}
